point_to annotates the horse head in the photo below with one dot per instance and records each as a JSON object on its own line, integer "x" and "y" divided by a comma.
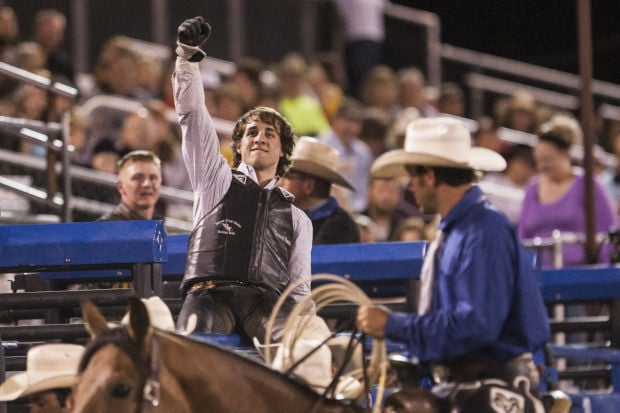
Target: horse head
{"x": 124, "y": 368}
{"x": 112, "y": 372}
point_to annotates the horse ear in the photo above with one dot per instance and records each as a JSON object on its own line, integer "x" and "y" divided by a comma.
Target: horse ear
{"x": 95, "y": 322}
{"x": 138, "y": 321}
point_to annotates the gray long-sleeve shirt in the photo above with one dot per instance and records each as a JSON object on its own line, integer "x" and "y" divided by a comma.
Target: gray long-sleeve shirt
{"x": 210, "y": 175}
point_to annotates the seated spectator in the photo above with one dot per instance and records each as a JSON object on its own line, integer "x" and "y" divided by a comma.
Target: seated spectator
{"x": 355, "y": 156}
{"x": 451, "y": 100}
{"x": 330, "y": 94}
{"x": 395, "y": 137}
{"x": 487, "y": 136}
{"x": 310, "y": 178}
{"x": 105, "y": 156}
{"x": 380, "y": 90}
{"x": 375, "y": 126}
{"x": 139, "y": 182}
{"x": 368, "y": 229}
{"x": 9, "y": 35}
{"x": 29, "y": 56}
{"x": 49, "y": 33}
{"x": 228, "y": 102}
{"x": 115, "y": 71}
{"x": 520, "y": 168}
{"x": 554, "y": 199}
{"x": 413, "y": 92}
{"x": 518, "y": 112}
{"x": 296, "y": 103}
{"x": 410, "y": 229}
{"x": 138, "y": 131}
{"x": 384, "y": 195}
{"x": 166, "y": 145}
{"x": 150, "y": 72}
{"x": 247, "y": 79}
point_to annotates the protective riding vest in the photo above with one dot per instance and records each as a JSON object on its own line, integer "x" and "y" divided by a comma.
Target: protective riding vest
{"x": 246, "y": 238}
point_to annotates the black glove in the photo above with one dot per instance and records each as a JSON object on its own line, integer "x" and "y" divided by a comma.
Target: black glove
{"x": 192, "y": 34}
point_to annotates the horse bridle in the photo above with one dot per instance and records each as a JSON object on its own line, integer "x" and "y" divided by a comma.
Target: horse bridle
{"x": 151, "y": 391}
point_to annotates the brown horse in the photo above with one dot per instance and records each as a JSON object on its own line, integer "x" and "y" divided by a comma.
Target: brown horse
{"x": 141, "y": 369}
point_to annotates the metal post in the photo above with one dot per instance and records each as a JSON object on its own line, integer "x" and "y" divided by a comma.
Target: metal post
{"x": 80, "y": 37}
{"x": 308, "y": 20}
{"x": 433, "y": 59}
{"x": 236, "y": 32}
{"x": 587, "y": 123}
{"x": 559, "y": 313}
{"x": 67, "y": 190}
{"x": 2, "y": 374}
{"x": 159, "y": 21}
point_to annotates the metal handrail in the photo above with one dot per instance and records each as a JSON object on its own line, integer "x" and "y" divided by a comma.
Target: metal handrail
{"x": 557, "y": 239}
{"x": 526, "y": 70}
{"x": 610, "y": 112}
{"x": 513, "y": 136}
{"x": 506, "y": 87}
{"x": 60, "y": 89}
{"x": 128, "y": 105}
{"x": 41, "y": 82}
{"x": 89, "y": 175}
{"x": 173, "y": 225}
{"x": 9, "y": 123}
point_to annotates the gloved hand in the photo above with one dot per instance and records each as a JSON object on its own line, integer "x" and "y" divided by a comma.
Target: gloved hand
{"x": 192, "y": 34}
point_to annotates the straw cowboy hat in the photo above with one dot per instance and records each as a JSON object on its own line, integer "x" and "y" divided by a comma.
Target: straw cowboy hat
{"x": 440, "y": 141}
{"x": 160, "y": 316}
{"x": 48, "y": 366}
{"x": 318, "y": 159}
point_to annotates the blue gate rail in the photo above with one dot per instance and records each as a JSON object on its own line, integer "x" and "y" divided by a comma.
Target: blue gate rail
{"x": 87, "y": 250}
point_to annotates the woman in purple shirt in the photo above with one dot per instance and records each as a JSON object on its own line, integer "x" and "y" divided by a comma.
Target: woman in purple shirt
{"x": 555, "y": 198}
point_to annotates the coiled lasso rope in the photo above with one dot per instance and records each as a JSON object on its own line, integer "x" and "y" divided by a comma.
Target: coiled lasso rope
{"x": 340, "y": 290}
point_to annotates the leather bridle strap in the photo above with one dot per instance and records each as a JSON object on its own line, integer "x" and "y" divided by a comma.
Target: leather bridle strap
{"x": 152, "y": 387}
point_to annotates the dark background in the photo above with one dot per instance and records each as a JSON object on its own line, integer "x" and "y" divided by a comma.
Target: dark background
{"x": 541, "y": 32}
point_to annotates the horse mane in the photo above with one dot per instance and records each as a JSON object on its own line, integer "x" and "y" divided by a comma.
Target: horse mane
{"x": 226, "y": 352}
{"x": 123, "y": 340}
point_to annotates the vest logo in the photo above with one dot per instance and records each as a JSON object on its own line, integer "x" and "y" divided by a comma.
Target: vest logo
{"x": 506, "y": 401}
{"x": 241, "y": 178}
{"x": 227, "y": 227}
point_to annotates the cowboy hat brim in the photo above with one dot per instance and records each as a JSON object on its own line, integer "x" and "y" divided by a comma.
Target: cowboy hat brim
{"x": 17, "y": 385}
{"x": 392, "y": 163}
{"x": 314, "y": 169}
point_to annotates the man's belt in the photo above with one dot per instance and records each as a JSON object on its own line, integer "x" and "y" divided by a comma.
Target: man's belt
{"x": 213, "y": 284}
{"x": 462, "y": 370}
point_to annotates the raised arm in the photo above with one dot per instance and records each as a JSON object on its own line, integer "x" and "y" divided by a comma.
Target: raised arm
{"x": 208, "y": 171}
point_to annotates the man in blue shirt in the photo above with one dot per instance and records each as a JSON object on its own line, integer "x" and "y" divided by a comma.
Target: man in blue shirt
{"x": 480, "y": 313}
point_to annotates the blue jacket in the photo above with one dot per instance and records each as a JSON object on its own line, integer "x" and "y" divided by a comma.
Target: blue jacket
{"x": 486, "y": 303}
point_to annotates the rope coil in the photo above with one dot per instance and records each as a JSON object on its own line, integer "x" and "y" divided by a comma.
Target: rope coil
{"x": 337, "y": 290}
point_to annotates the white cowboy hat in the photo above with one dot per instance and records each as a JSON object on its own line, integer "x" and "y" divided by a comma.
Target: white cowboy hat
{"x": 316, "y": 370}
{"x": 48, "y": 366}
{"x": 440, "y": 141}
{"x": 316, "y": 158}
{"x": 338, "y": 346}
{"x": 160, "y": 316}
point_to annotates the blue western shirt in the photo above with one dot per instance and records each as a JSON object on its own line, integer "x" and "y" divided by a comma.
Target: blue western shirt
{"x": 486, "y": 303}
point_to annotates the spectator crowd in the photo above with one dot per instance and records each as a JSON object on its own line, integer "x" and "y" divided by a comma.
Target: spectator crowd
{"x": 361, "y": 116}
